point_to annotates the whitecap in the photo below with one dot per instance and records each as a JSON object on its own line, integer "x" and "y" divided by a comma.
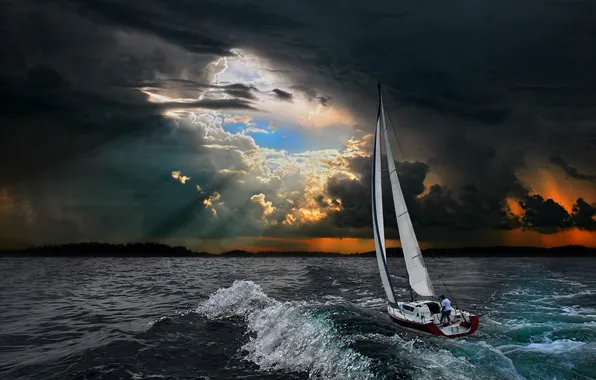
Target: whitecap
{"x": 286, "y": 336}
{"x": 552, "y": 347}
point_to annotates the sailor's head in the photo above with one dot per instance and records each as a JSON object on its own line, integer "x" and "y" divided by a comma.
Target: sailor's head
{"x": 442, "y": 297}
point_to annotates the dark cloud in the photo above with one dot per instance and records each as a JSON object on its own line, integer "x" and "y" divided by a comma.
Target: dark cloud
{"x": 239, "y": 90}
{"x": 324, "y": 100}
{"x": 439, "y": 207}
{"x": 504, "y": 75}
{"x": 189, "y": 88}
{"x": 583, "y": 215}
{"x": 146, "y": 19}
{"x": 68, "y": 123}
{"x": 592, "y": 139}
{"x": 544, "y": 215}
{"x": 66, "y": 94}
{"x": 210, "y": 104}
{"x": 481, "y": 95}
{"x": 178, "y": 219}
{"x": 570, "y": 170}
{"x": 309, "y": 93}
{"x": 282, "y": 95}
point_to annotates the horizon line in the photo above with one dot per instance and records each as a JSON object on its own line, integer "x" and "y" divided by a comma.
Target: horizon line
{"x": 274, "y": 251}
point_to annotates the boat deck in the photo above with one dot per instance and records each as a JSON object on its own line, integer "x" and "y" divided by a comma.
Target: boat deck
{"x": 424, "y": 316}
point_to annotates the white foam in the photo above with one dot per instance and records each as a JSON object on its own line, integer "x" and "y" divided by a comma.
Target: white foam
{"x": 141, "y": 376}
{"x": 519, "y": 291}
{"x": 434, "y": 363}
{"x": 555, "y": 347}
{"x": 333, "y": 299}
{"x": 286, "y": 336}
{"x": 557, "y": 296}
{"x": 552, "y": 347}
{"x": 241, "y": 299}
{"x": 493, "y": 357}
{"x": 568, "y": 282}
{"x": 158, "y": 320}
{"x": 370, "y": 302}
{"x": 579, "y": 311}
{"x": 550, "y": 326}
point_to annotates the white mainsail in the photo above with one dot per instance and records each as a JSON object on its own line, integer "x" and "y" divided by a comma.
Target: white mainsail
{"x": 377, "y": 214}
{"x": 418, "y": 275}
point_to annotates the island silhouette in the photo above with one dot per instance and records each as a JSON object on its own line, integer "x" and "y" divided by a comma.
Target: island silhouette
{"x": 95, "y": 249}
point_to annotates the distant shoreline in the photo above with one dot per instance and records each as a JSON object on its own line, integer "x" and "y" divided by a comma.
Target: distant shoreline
{"x": 163, "y": 250}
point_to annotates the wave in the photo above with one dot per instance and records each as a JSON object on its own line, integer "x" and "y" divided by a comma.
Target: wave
{"x": 286, "y": 336}
{"x": 299, "y": 337}
{"x": 305, "y": 337}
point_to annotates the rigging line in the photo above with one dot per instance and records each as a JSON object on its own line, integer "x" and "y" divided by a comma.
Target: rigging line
{"x": 395, "y": 134}
{"x": 455, "y": 303}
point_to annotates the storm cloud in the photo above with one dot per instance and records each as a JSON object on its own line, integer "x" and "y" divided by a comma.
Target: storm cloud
{"x": 482, "y": 97}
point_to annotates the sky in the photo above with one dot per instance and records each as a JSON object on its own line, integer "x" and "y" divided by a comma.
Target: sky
{"x": 248, "y": 124}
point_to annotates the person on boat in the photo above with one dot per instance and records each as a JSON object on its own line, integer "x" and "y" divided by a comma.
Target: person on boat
{"x": 445, "y": 310}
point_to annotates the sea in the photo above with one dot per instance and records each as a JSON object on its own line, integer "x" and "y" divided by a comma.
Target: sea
{"x": 289, "y": 318}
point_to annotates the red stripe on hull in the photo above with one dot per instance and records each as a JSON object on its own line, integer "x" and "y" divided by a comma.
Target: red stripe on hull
{"x": 433, "y": 329}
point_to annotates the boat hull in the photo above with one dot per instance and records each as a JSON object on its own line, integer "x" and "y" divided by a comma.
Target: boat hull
{"x": 452, "y": 331}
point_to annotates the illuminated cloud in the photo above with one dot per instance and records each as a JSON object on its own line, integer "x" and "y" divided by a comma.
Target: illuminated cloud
{"x": 255, "y": 130}
{"x": 281, "y": 106}
{"x": 178, "y": 176}
{"x": 212, "y": 198}
{"x": 267, "y": 206}
{"x": 245, "y": 119}
{"x": 212, "y": 201}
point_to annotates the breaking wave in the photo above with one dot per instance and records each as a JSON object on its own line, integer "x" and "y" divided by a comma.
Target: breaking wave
{"x": 286, "y": 336}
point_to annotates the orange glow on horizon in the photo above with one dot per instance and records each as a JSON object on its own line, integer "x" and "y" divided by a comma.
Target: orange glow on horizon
{"x": 532, "y": 238}
{"x": 516, "y": 237}
{"x": 344, "y": 245}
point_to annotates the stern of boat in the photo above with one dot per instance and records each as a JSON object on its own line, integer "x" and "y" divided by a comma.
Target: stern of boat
{"x": 462, "y": 328}
{"x": 423, "y": 316}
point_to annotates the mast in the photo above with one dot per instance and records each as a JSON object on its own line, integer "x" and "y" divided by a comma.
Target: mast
{"x": 377, "y": 212}
{"x": 419, "y": 279}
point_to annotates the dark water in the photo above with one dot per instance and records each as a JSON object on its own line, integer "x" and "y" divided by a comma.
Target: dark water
{"x": 292, "y": 318}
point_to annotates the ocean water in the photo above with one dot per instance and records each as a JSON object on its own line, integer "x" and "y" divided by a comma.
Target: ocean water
{"x": 288, "y": 318}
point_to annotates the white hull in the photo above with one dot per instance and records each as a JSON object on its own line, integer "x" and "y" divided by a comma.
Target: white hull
{"x": 426, "y": 316}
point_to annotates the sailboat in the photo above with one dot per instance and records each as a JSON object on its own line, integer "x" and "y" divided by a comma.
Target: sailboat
{"x": 421, "y": 314}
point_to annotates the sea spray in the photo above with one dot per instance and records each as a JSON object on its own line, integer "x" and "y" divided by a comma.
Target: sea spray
{"x": 286, "y": 336}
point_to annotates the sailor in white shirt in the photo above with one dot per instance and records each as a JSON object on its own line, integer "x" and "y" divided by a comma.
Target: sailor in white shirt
{"x": 445, "y": 310}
